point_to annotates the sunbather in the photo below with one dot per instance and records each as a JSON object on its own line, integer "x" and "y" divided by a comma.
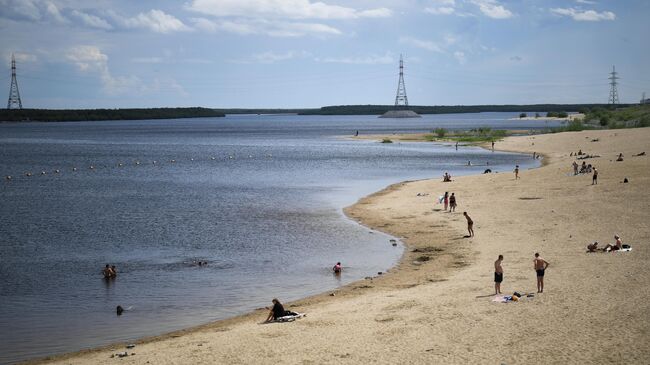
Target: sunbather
{"x": 592, "y": 247}
{"x": 616, "y": 246}
{"x": 276, "y": 311}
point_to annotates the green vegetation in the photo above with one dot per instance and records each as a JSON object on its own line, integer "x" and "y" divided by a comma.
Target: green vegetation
{"x": 386, "y": 140}
{"x": 440, "y": 132}
{"x": 476, "y": 135}
{"x": 74, "y": 115}
{"x": 445, "y": 109}
{"x": 557, "y": 114}
{"x": 572, "y": 126}
{"x": 630, "y": 117}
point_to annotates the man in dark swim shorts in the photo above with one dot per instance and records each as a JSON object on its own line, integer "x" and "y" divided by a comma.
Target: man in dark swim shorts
{"x": 498, "y": 275}
{"x": 540, "y": 266}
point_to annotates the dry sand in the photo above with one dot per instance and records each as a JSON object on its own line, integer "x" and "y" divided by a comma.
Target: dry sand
{"x": 436, "y": 305}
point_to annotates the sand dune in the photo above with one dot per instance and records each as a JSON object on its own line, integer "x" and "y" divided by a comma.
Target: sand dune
{"x": 436, "y": 306}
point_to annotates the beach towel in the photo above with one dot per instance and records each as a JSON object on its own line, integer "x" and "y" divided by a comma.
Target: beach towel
{"x": 441, "y": 198}
{"x": 289, "y": 317}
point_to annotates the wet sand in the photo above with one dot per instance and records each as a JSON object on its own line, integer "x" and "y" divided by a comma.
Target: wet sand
{"x": 436, "y": 305}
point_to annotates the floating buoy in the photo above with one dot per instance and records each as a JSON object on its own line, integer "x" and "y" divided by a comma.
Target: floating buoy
{"x": 250, "y": 156}
{"x": 191, "y": 159}
{"x": 56, "y": 171}
{"x": 137, "y": 162}
{"x": 43, "y": 173}
{"x": 92, "y": 167}
{"x": 172, "y": 161}
{"x": 119, "y": 164}
{"x": 74, "y": 169}
{"x": 230, "y": 157}
{"x": 8, "y": 177}
{"x": 28, "y": 174}
{"x": 212, "y": 158}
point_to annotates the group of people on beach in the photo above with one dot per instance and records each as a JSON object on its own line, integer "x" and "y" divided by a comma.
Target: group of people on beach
{"x": 109, "y": 272}
{"x": 539, "y": 264}
{"x": 449, "y": 201}
{"x": 617, "y": 245}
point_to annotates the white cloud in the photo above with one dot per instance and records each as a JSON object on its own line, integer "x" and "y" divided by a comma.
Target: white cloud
{"x": 360, "y": 60}
{"x": 20, "y": 10}
{"x": 54, "y": 12}
{"x": 428, "y": 45}
{"x": 270, "y": 28}
{"x": 292, "y": 9}
{"x": 516, "y": 58}
{"x": 21, "y": 57}
{"x": 585, "y": 2}
{"x": 91, "y": 59}
{"x": 584, "y": 15}
{"x": 155, "y": 20}
{"x": 493, "y": 9}
{"x": 92, "y": 20}
{"x": 460, "y": 57}
{"x": 147, "y": 60}
{"x": 443, "y": 10}
{"x": 272, "y": 57}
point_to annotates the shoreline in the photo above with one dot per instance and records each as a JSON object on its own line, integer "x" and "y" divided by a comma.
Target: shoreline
{"x": 439, "y": 316}
{"x": 386, "y": 280}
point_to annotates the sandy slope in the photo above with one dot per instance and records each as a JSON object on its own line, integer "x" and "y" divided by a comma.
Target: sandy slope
{"x": 436, "y": 305}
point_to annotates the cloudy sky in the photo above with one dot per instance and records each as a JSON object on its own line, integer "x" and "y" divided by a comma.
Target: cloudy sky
{"x": 309, "y": 53}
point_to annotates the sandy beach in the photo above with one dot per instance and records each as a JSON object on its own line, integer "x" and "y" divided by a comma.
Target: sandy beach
{"x": 436, "y": 305}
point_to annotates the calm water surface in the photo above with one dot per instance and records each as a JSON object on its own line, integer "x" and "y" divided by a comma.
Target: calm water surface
{"x": 257, "y": 197}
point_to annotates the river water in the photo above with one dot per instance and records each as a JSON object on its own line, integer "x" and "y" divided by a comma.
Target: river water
{"x": 259, "y": 198}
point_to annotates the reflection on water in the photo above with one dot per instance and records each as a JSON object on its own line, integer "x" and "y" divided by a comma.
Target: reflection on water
{"x": 257, "y": 198}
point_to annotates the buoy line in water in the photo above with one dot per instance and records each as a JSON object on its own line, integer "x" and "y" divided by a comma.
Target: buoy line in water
{"x": 119, "y": 165}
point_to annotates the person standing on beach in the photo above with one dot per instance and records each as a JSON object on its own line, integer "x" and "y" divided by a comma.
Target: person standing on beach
{"x": 516, "y": 172}
{"x": 492, "y": 146}
{"x": 446, "y": 200}
{"x": 594, "y": 179}
{"x": 456, "y": 145}
{"x": 470, "y": 225}
{"x": 540, "y": 266}
{"x": 575, "y": 168}
{"x": 452, "y": 203}
{"x": 498, "y": 275}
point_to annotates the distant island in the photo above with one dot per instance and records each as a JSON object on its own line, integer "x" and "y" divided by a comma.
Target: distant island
{"x": 76, "y": 115}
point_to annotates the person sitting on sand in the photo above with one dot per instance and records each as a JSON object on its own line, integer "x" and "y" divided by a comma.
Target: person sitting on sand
{"x": 592, "y": 247}
{"x": 446, "y": 177}
{"x": 583, "y": 168}
{"x": 276, "y": 311}
{"x": 580, "y": 152}
{"x": 616, "y": 246}
{"x": 620, "y": 157}
{"x": 337, "y": 268}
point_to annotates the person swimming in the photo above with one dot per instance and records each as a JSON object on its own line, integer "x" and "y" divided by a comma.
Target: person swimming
{"x": 337, "y": 268}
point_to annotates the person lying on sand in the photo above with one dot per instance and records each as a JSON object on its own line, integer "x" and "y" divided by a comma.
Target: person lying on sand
{"x": 616, "y": 246}
{"x": 592, "y": 247}
{"x": 620, "y": 157}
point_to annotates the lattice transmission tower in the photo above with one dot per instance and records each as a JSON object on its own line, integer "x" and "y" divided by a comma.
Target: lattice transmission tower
{"x": 14, "y": 95}
{"x": 613, "y": 92}
{"x": 401, "y": 99}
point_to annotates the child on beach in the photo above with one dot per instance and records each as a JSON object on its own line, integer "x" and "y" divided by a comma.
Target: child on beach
{"x": 516, "y": 172}
{"x": 452, "y": 203}
{"x": 594, "y": 179}
{"x": 470, "y": 225}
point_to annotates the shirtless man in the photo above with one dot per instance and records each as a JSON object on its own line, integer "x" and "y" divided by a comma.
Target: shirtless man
{"x": 616, "y": 246}
{"x": 107, "y": 271}
{"x": 470, "y": 224}
{"x": 498, "y": 275}
{"x": 540, "y": 266}
{"x": 594, "y": 179}
{"x": 516, "y": 172}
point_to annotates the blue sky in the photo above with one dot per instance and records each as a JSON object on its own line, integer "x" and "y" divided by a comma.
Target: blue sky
{"x": 306, "y": 53}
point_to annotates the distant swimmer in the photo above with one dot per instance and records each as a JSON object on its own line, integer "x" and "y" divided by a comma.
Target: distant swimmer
{"x": 107, "y": 271}
{"x": 337, "y": 268}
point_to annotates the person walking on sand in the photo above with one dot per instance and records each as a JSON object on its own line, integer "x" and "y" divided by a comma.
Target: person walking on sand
{"x": 594, "y": 179}
{"x": 492, "y": 146}
{"x": 456, "y": 145}
{"x": 498, "y": 275}
{"x": 452, "y": 203}
{"x": 540, "y": 266}
{"x": 575, "y": 168}
{"x": 446, "y": 200}
{"x": 470, "y": 225}
{"x": 516, "y": 172}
